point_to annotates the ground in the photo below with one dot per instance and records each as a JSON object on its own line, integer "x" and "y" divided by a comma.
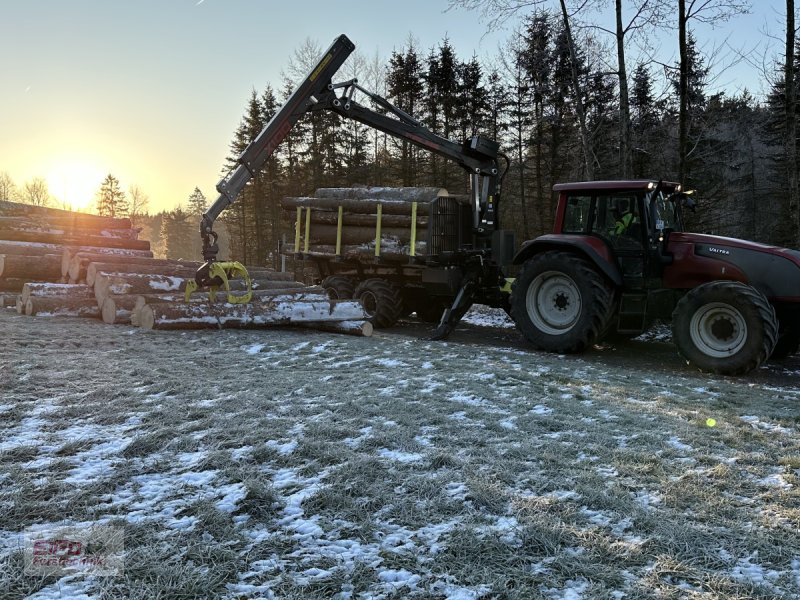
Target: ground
{"x": 298, "y": 464}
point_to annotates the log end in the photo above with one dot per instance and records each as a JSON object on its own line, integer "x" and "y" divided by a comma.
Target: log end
{"x": 28, "y": 308}
{"x": 147, "y": 317}
{"x": 108, "y": 311}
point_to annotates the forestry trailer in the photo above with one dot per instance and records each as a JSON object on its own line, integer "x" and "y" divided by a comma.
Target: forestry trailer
{"x": 617, "y": 259}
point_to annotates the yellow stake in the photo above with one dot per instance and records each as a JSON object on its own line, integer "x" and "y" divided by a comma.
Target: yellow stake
{"x": 297, "y": 229}
{"x": 378, "y": 231}
{"x": 308, "y": 229}
{"x": 339, "y": 234}
{"x": 413, "y": 251}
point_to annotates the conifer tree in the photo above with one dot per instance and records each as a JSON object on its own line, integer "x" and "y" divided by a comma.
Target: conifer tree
{"x": 111, "y": 201}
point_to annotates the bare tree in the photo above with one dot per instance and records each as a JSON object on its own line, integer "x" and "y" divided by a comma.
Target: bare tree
{"x": 8, "y": 190}
{"x": 138, "y": 203}
{"x": 36, "y": 192}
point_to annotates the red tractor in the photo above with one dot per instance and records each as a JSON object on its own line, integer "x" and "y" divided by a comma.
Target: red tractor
{"x": 618, "y": 259}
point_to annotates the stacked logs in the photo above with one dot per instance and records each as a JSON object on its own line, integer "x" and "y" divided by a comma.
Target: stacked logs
{"x": 34, "y": 239}
{"x": 315, "y": 220}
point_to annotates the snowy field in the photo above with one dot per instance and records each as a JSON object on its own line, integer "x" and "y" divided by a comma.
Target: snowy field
{"x": 296, "y": 464}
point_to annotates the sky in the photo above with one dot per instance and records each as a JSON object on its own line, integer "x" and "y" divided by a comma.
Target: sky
{"x": 151, "y": 91}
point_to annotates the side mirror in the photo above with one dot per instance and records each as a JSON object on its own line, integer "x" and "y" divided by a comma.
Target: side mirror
{"x": 686, "y": 198}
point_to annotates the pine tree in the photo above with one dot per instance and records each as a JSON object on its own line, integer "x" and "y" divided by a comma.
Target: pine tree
{"x": 197, "y": 202}
{"x": 405, "y": 87}
{"x": 177, "y": 227}
{"x": 111, "y": 201}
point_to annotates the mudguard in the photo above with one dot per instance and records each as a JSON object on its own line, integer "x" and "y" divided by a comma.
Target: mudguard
{"x": 592, "y": 248}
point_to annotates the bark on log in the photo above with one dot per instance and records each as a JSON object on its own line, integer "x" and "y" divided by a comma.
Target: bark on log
{"x": 9, "y": 229}
{"x": 87, "y": 255}
{"x": 326, "y": 234}
{"x": 8, "y": 300}
{"x": 29, "y": 248}
{"x": 330, "y": 217}
{"x": 61, "y": 307}
{"x": 103, "y": 267}
{"x": 12, "y": 284}
{"x": 17, "y": 209}
{"x": 367, "y": 206}
{"x": 76, "y": 221}
{"x": 45, "y": 267}
{"x": 409, "y": 194}
{"x": 56, "y": 290}
{"x": 210, "y": 316}
{"x": 75, "y": 240}
{"x": 357, "y": 328}
{"x": 390, "y": 252}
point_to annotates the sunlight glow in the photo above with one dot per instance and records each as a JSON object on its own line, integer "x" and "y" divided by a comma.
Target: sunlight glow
{"x": 74, "y": 182}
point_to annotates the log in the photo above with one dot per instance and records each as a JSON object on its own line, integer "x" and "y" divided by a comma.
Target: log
{"x": 73, "y": 221}
{"x": 75, "y": 240}
{"x": 88, "y": 255}
{"x": 12, "y": 284}
{"x": 17, "y": 209}
{"x": 357, "y": 328}
{"x": 55, "y": 290}
{"x": 45, "y": 306}
{"x": 9, "y": 229}
{"x": 141, "y": 269}
{"x": 121, "y": 309}
{"x": 330, "y": 217}
{"x": 29, "y": 248}
{"x": 409, "y": 194}
{"x": 20, "y": 306}
{"x": 44, "y": 267}
{"x": 390, "y": 251}
{"x": 212, "y": 316}
{"x": 326, "y": 234}
{"x": 8, "y": 300}
{"x": 366, "y": 206}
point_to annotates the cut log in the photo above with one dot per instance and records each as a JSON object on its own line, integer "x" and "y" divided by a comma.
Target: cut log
{"x": 56, "y": 290}
{"x": 45, "y": 306}
{"x": 75, "y": 240}
{"x": 326, "y": 234}
{"x": 121, "y": 309}
{"x": 331, "y": 217}
{"x": 357, "y": 328}
{"x": 75, "y": 221}
{"x": 213, "y": 316}
{"x": 367, "y": 206}
{"x": 141, "y": 269}
{"x": 70, "y": 255}
{"x": 44, "y": 267}
{"x": 12, "y": 284}
{"x": 10, "y": 230}
{"x": 29, "y": 248}
{"x": 17, "y": 209}
{"x": 409, "y": 194}
{"x": 390, "y": 251}
{"x": 8, "y": 300}
{"x": 20, "y": 306}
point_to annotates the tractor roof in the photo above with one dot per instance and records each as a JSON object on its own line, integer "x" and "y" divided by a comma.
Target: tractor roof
{"x": 625, "y": 184}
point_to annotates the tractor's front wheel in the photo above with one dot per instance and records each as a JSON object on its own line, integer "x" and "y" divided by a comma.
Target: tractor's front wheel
{"x": 725, "y": 327}
{"x": 561, "y": 303}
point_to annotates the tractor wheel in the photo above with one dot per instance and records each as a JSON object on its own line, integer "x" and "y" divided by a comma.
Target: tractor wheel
{"x": 560, "y": 302}
{"x": 339, "y": 287}
{"x": 381, "y": 301}
{"x": 725, "y": 327}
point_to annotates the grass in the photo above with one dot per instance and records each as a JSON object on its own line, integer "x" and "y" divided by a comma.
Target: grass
{"x": 313, "y": 469}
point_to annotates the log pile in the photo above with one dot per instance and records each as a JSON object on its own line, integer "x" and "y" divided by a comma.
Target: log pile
{"x": 76, "y": 265}
{"x": 371, "y": 216}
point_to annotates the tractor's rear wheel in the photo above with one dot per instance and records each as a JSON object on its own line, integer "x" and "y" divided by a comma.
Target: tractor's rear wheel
{"x": 381, "y": 301}
{"x": 725, "y": 327}
{"x": 339, "y": 287}
{"x": 561, "y": 303}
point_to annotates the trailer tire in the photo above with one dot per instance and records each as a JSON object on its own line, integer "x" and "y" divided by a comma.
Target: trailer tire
{"x": 561, "y": 303}
{"x": 339, "y": 287}
{"x": 381, "y": 300}
{"x": 725, "y": 327}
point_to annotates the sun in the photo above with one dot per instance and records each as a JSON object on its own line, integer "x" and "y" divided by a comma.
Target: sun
{"x": 74, "y": 182}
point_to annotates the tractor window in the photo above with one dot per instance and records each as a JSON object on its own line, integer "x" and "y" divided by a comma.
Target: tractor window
{"x": 576, "y": 219}
{"x": 618, "y": 215}
{"x": 663, "y": 212}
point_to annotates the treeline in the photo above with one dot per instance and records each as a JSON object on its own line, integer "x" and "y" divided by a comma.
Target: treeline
{"x": 526, "y": 99}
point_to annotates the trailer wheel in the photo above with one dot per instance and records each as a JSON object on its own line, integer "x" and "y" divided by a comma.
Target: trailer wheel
{"x": 381, "y": 301}
{"x": 725, "y": 327}
{"x": 339, "y": 287}
{"x": 561, "y": 303}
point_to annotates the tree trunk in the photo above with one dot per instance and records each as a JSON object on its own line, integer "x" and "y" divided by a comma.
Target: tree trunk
{"x": 118, "y": 268}
{"x": 790, "y": 82}
{"x": 55, "y": 290}
{"x": 205, "y": 316}
{"x": 45, "y": 267}
{"x": 588, "y": 155}
{"x": 12, "y": 284}
{"x": 47, "y": 306}
{"x": 29, "y": 248}
{"x": 367, "y": 206}
{"x": 331, "y": 217}
{"x": 683, "y": 94}
{"x": 49, "y": 237}
{"x": 93, "y": 253}
{"x": 625, "y": 149}
{"x": 85, "y": 219}
{"x": 406, "y": 194}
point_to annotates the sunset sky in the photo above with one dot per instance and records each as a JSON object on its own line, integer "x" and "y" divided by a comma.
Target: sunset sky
{"x": 151, "y": 91}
